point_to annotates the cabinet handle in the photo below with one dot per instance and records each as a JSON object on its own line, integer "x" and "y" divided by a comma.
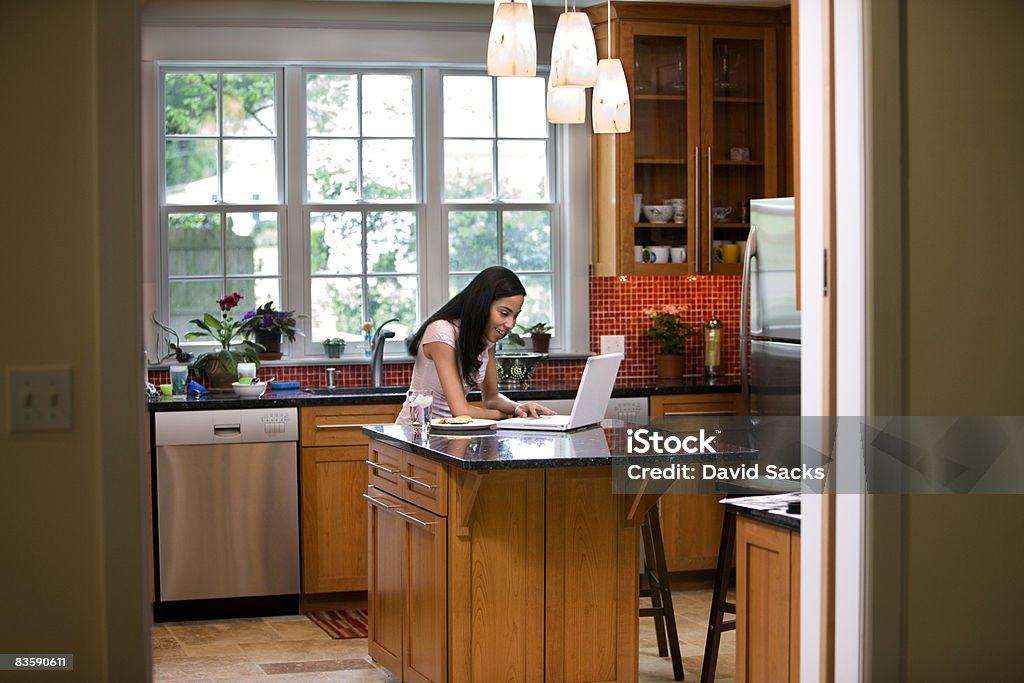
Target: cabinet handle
{"x": 378, "y": 503}
{"x": 711, "y": 211}
{"x": 413, "y": 519}
{"x": 358, "y": 426}
{"x": 702, "y": 412}
{"x": 378, "y": 466}
{"x": 696, "y": 209}
{"x": 424, "y": 484}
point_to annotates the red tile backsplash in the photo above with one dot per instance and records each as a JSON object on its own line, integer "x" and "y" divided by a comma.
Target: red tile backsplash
{"x": 616, "y": 307}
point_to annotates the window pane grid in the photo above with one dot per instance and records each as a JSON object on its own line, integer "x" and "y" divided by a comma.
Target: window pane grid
{"x": 382, "y": 192}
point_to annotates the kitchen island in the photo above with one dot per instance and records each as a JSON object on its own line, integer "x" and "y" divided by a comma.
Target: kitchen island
{"x": 504, "y": 555}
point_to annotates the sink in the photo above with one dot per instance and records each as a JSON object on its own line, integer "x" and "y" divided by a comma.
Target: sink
{"x": 356, "y": 391}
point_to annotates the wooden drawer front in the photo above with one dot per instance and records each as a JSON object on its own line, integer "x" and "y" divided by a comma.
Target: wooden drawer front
{"x": 695, "y": 404}
{"x": 424, "y": 483}
{"x": 342, "y": 425}
{"x": 385, "y": 465}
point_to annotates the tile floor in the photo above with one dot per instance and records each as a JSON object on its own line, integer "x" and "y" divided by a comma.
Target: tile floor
{"x": 292, "y": 648}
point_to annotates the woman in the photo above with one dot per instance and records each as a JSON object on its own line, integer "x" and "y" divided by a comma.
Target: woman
{"x": 454, "y": 349}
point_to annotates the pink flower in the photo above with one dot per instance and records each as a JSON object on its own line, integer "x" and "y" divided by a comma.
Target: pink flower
{"x": 230, "y": 301}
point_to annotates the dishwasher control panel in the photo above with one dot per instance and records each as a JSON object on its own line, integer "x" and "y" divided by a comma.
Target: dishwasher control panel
{"x": 251, "y": 425}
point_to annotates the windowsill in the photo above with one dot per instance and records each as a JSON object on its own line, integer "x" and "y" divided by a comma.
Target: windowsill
{"x": 359, "y": 359}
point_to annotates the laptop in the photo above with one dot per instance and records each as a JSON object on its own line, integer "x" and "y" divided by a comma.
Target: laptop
{"x": 591, "y": 399}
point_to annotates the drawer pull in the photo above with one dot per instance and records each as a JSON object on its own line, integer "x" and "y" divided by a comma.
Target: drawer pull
{"x": 358, "y": 426}
{"x": 424, "y": 484}
{"x": 413, "y": 519}
{"x": 378, "y": 503}
{"x": 378, "y": 466}
{"x": 701, "y": 412}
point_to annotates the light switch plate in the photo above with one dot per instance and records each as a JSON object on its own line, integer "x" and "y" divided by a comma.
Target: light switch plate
{"x": 39, "y": 398}
{"x": 613, "y": 343}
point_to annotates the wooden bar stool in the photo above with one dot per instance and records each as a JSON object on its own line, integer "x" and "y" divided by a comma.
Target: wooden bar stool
{"x": 719, "y": 606}
{"x": 654, "y": 584}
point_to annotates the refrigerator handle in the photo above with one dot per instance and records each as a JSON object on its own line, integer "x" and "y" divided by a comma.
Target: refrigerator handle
{"x": 745, "y": 330}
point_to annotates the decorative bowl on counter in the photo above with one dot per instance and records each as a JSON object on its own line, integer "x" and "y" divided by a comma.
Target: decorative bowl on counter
{"x": 516, "y": 369}
{"x": 254, "y": 390}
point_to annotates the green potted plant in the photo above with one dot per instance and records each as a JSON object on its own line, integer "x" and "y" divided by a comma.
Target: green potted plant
{"x": 220, "y": 366}
{"x": 668, "y": 328}
{"x": 334, "y": 347}
{"x": 268, "y": 326}
{"x": 540, "y": 336}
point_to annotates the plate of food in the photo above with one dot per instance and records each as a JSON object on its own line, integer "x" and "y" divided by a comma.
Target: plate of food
{"x": 461, "y": 422}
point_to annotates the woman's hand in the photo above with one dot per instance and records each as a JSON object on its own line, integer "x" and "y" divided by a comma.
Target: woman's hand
{"x": 531, "y": 409}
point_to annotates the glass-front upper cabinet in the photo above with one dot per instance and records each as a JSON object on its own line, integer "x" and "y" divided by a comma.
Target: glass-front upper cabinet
{"x": 739, "y": 137}
{"x": 671, "y": 197}
{"x": 666, "y": 114}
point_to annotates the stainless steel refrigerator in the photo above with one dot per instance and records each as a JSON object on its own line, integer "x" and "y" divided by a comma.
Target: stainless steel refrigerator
{"x": 769, "y": 319}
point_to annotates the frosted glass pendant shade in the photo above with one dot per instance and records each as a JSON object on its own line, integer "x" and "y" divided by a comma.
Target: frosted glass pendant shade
{"x": 528, "y": 3}
{"x": 567, "y": 105}
{"x": 512, "y": 46}
{"x": 611, "y": 98}
{"x": 573, "y": 52}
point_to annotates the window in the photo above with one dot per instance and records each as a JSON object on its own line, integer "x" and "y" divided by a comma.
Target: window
{"x": 369, "y": 205}
{"x": 361, "y": 192}
{"x": 221, "y": 188}
{"x": 497, "y": 184}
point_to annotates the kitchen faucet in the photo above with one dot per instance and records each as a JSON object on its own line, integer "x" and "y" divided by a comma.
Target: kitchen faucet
{"x": 377, "y": 359}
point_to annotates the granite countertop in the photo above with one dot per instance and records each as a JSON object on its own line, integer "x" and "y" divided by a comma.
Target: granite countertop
{"x": 769, "y": 508}
{"x": 696, "y": 384}
{"x": 501, "y": 449}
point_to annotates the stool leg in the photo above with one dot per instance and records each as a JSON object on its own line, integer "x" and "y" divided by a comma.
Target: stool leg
{"x": 650, "y": 567}
{"x": 718, "y": 603}
{"x": 666, "y": 594}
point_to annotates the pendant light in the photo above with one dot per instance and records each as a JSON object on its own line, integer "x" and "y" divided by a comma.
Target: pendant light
{"x": 573, "y": 51}
{"x": 512, "y": 46}
{"x": 611, "y": 94}
{"x": 567, "y": 105}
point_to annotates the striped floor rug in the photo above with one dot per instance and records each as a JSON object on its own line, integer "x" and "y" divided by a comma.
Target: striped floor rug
{"x": 341, "y": 623}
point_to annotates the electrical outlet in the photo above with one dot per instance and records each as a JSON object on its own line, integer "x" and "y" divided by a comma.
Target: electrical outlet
{"x": 39, "y": 399}
{"x": 613, "y": 343}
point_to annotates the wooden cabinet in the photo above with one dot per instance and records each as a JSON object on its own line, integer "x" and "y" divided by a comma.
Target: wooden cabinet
{"x": 408, "y": 596}
{"x": 767, "y": 602}
{"x": 691, "y": 524}
{"x": 333, "y": 479}
{"x": 704, "y": 89}
{"x": 517, "y": 575}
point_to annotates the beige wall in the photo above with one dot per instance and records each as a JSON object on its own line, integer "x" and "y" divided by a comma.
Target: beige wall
{"x": 954, "y": 221}
{"x": 71, "y": 537}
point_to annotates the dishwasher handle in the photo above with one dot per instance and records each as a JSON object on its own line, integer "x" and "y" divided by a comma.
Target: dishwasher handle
{"x": 230, "y": 431}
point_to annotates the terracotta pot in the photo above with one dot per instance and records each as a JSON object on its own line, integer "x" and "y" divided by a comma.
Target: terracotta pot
{"x": 216, "y": 377}
{"x": 541, "y": 342}
{"x": 668, "y": 365}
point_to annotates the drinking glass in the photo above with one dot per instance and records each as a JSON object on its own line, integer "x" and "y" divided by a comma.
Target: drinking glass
{"x": 420, "y": 407}
{"x": 179, "y": 382}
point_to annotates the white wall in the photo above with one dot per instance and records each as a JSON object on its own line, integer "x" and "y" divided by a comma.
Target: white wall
{"x": 72, "y": 576}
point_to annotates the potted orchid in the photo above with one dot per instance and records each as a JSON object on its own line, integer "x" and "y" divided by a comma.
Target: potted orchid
{"x": 220, "y": 366}
{"x": 670, "y": 330}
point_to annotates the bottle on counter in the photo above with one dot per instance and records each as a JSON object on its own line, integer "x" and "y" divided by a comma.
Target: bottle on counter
{"x": 712, "y": 347}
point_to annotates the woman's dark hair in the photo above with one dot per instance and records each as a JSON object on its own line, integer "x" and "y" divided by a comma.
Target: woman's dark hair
{"x": 472, "y": 308}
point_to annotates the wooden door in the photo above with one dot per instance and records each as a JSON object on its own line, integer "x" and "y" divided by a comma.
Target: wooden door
{"x": 739, "y": 137}
{"x": 425, "y": 649}
{"x": 387, "y": 585}
{"x": 691, "y": 523}
{"x": 333, "y": 519}
{"x": 764, "y": 557}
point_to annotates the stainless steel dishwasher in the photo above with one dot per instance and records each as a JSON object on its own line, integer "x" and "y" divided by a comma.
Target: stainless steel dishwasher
{"x": 227, "y": 513}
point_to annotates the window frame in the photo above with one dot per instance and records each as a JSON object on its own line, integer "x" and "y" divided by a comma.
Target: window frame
{"x": 568, "y": 149}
